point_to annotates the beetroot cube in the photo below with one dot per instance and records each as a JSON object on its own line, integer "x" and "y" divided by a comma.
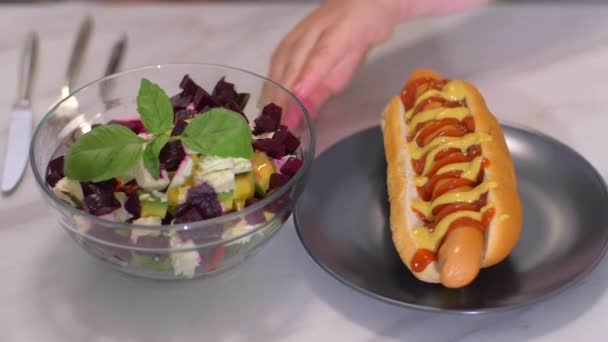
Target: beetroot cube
{"x": 272, "y": 147}
{"x": 179, "y": 127}
{"x": 205, "y": 199}
{"x": 134, "y": 125}
{"x": 188, "y": 86}
{"x": 277, "y": 180}
{"x": 242, "y": 100}
{"x": 289, "y": 141}
{"x": 184, "y": 114}
{"x": 54, "y": 171}
{"x": 133, "y": 206}
{"x": 291, "y": 166}
{"x": 264, "y": 124}
{"x": 187, "y": 213}
{"x": 181, "y": 101}
{"x": 130, "y": 187}
{"x": 171, "y": 155}
{"x": 203, "y": 100}
{"x": 225, "y": 91}
{"x": 273, "y": 111}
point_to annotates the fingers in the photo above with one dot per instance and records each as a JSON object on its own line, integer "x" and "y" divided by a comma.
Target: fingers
{"x": 334, "y": 82}
{"x": 329, "y": 50}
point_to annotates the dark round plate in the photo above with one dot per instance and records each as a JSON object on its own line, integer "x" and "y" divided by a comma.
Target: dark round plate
{"x": 342, "y": 220}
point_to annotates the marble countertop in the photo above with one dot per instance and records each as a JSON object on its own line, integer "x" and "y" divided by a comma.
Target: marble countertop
{"x": 540, "y": 65}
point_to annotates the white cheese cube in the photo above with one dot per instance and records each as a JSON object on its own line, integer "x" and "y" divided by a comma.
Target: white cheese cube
{"x": 69, "y": 190}
{"x": 183, "y": 173}
{"x": 184, "y": 263}
{"x": 210, "y": 164}
{"x": 147, "y": 181}
{"x": 241, "y": 165}
{"x": 221, "y": 181}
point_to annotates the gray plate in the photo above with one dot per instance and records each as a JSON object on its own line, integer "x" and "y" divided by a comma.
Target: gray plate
{"x": 342, "y": 220}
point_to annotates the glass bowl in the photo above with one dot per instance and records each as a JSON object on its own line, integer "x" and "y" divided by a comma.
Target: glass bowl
{"x": 177, "y": 251}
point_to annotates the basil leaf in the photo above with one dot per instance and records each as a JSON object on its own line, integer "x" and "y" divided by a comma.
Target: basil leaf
{"x": 105, "y": 152}
{"x": 219, "y": 132}
{"x": 152, "y": 152}
{"x": 154, "y": 107}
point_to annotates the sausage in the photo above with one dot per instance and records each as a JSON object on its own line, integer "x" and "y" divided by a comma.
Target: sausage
{"x": 454, "y": 204}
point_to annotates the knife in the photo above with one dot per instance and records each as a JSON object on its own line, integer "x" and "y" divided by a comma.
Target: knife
{"x": 20, "y": 129}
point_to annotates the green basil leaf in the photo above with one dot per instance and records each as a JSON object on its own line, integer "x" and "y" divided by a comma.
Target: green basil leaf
{"x": 103, "y": 153}
{"x": 219, "y": 132}
{"x": 154, "y": 107}
{"x": 152, "y": 152}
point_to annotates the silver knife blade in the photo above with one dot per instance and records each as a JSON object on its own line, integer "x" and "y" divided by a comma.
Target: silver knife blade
{"x": 19, "y": 136}
{"x": 20, "y": 129}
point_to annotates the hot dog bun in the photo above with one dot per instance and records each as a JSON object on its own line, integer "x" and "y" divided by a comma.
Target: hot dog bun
{"x": 453, "y": 247}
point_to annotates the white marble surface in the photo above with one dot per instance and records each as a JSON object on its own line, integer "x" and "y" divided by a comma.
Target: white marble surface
{"x": 543, "y": 66}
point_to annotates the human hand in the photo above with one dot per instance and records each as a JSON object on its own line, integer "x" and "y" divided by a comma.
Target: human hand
{"x": 318, "y": 58}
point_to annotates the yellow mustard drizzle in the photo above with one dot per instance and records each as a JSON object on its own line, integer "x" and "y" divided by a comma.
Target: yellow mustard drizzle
{"x": 461, "y": 143}
{"x": 423, "y": 207}
{"x": 464, "y": 196}
{"x": 470, "y": 170}
{"x": 453, "y": 91}
{"x": 416, "y": 152}
{"x": 431, "y": 239}
{"x": 437, "y": 114}
{"x": 420, "y": 180}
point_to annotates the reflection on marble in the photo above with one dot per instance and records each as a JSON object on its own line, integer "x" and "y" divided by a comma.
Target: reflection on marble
{"x": 549, "y": 76}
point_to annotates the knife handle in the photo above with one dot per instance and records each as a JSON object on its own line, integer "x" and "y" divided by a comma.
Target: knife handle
{"x": 80, "y": 46}
{"x": 27, "y": 68}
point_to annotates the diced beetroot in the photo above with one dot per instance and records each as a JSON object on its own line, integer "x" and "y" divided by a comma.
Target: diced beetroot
{"x": 273, "y": 111}
{"x": 187, "y": 213}
{"x": 287, "y": 139}
{"x": 277, "y": 180}
{"x": 179, "y": 127}
{"x": 256, "y": 217}
{"x": 134, "y": 125}
{"x": 151, "y": 241}
{"x": 99, "y": 197}
{"x": 171, "y": 155}
{"x": 203, "y": 101}
{"x": 204, "y": 235}
{"x": 130, "y": 187}
{"x": 201, "y": 204}
{"x": 184, "y": 114}
{"x": 272, "y": 147}
{"x": 264, "y": 124}
{"x": 235, "y": 108}
{"x": 100, "y": 204}
{"x": 225, "y": 91}
{"x": 132, "y": 205}
{"x": 188, "y": 86}
{"x": 242, "y": 99}
{"x": 250, "y": 201}
{"x": 181, "y": 100}
{"x": 109, "y": 235}
{"x": 90, "y": 188}
{"x": 168, "y": 218}
{"x": 281, "y": 204}
{"x": 205, "y": 198}
{"x": 291, "y": 166}
{"x": 54, "y": 171}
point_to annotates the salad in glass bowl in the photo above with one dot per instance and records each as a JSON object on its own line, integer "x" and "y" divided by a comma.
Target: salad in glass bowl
{"x": 173, "y": 184}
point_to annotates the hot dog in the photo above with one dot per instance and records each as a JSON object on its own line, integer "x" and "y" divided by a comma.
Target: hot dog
{"x": 452, "y": 188}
